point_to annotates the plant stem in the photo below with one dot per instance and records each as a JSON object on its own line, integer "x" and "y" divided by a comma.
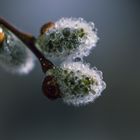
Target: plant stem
{"x": 29, "y": 41}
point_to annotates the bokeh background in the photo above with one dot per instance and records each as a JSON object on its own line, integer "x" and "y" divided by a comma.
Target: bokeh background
{"x": 25, "y": 114}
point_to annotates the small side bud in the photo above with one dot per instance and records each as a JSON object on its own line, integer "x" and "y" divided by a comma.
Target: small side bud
{"x": 51, "y": 88}
{"x": 2, "y": 35}
{"x": 46, "y": 27}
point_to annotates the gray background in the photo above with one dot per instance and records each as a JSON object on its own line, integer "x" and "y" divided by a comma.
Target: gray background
{"x": 25, "y": 114}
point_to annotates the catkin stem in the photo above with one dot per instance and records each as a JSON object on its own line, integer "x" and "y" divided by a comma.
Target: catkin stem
{"x": 29, "y": 41}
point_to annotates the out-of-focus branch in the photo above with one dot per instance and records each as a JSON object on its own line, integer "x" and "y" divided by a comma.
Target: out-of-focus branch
{"x": 29, "y": 41}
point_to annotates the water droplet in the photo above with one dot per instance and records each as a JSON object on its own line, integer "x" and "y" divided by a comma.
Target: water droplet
{"x": 77, "y": 59}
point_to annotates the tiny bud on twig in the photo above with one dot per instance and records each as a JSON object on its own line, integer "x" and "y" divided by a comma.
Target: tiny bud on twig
{"x": 46, "y": 27}
{"x": 2, "y": 35}
{"x": 51, "y": 88}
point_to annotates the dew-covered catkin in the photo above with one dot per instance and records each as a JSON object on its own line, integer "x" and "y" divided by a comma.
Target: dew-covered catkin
{"x": 68, "y": 37}
{"x": 79, "y": 84}
{"x": 15, "y": 57}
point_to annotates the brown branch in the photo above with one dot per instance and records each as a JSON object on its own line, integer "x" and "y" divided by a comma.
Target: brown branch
{"x": 29, "y": 41}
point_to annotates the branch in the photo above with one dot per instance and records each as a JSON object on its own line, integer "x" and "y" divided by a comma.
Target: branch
{"x": 29, "y": 41}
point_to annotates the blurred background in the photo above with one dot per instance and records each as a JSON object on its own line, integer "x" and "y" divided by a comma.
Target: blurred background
{"x": 25, "y": 114}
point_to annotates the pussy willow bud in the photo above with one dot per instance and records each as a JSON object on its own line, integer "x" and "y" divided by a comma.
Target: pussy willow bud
{"x": 14, "y": 55}
{"x": 67, "y": 36}
{"x": 79, "y": 84}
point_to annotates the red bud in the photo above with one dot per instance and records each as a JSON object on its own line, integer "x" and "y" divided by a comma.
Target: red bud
{"x": 51, "y": 88}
